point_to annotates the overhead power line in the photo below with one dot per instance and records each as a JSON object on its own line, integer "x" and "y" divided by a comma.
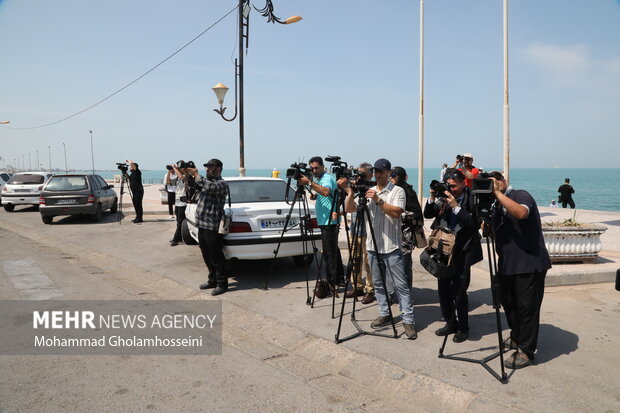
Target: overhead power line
{"x": 133, "y": 81}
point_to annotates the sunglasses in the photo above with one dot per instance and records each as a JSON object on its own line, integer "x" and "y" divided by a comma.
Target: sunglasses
{"x": 393, "y": 175}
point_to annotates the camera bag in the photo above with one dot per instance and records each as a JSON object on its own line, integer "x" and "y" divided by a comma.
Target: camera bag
{"x": 437, "y": 257}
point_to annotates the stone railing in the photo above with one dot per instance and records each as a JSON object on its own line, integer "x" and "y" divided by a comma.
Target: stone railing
{"x": 573, "y": 243}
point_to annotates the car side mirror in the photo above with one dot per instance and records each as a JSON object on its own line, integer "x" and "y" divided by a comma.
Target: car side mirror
{"x": 110, "y": 186}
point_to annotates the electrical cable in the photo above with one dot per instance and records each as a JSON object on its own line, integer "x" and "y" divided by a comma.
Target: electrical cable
{"x": 132, "y": 82}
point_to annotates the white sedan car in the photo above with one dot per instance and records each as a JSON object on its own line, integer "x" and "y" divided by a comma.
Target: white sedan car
{"x": 259, "y": 212}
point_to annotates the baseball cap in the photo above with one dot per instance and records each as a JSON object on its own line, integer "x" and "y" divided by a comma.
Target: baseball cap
{"x": 383, "y": 164}
{"x": 468, "y": 155}
{"x": 213, "y": 162}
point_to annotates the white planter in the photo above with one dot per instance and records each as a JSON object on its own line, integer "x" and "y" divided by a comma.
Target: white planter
{"x": 573, "y": 243}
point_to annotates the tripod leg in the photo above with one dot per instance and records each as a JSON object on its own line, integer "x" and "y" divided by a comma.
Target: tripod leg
{"x": 495, "y": 293}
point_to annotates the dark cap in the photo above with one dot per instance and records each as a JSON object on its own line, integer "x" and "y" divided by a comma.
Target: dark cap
{"x": 214, "y": 162}
{"x": 383, "y": 164}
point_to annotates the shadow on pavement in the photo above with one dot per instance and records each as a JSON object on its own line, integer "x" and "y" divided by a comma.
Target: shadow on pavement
{"x": 554, "y": 342}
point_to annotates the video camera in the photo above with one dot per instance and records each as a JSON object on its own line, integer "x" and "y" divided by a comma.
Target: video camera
{"x": 122, "y": 166}
{"x": 439, "y": 188}
{"x": 297, "y": 170}
{"x": 483, "y": 194}
{"x": 339, "y": 168}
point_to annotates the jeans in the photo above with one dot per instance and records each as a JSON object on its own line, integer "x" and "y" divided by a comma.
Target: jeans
{"x": 395, "y": 279}
{"x": 180, "y": 213}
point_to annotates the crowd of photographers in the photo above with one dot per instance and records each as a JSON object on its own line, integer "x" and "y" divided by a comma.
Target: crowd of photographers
{"x": 465, "y": 203}
{"x": 387, "y": 224}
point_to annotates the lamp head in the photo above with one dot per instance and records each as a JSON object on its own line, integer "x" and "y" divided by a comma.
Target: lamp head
{"x": 220, "y": 91}
{"x": 293, "y": 19}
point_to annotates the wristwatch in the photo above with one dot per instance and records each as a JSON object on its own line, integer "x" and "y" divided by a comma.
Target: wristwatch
{"x": 380, "y": 202}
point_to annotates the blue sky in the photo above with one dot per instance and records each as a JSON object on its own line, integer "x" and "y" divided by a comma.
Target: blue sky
{"x": 342, "y": 81}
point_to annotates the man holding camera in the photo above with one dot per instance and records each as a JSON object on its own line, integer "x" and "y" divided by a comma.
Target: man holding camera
{"x": 137, "y": 190}
{"x": 386, "y": 204}
{"x": 179, "y": 181}
{"x": 325, "y": 208}
{"x": 209, "y": 211}
{"x": 522, "y": 267}
{"x": 465, "y": 164}
{"x": 454, "y": 210}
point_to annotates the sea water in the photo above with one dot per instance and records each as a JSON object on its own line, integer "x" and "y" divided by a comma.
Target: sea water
{"x": 592, "y": 188}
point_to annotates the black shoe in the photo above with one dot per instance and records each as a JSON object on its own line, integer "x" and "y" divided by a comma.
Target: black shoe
{"x": 382, "y": 320}
{"x": 219, "y": 290}
{"x": 173, "y": 243}
{"x": 208, "y": 285}
{"x": 410, "y": 332}
{"x": 445, "y": 330}
{"x": 460, "y": 336}
{"x": 136, "y": 220}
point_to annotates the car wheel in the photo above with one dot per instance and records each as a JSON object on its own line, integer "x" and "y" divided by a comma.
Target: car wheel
{"x": 187, "y": 237}
{"x": 303, "y": 260}
{"x": 114, "y": 207}
{"x": 47, "y": 219}
{"x": 98, "y": 213}
{"x": 9, "y": 207}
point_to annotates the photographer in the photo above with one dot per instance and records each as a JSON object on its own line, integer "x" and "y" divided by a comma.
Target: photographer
{"x": 179, "y": 181}
{"x": 367, "y": 289}
{"x": 466, "y": 166}
{"x": 386, "y": 204}
{"x": 326, "y": 190}
{"x": 137, "y": 190}
{"x": 454, "y": 209}
{"x": 170, "y": 185}
{"x": 412, "y": 219}
{"x": 522, "y": 267}
{"x": 209, "y": 211}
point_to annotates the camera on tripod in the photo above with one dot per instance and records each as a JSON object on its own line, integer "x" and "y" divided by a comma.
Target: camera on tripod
{"x": 297, "y": 170}
{"x": 483, "y": 194}
{"x": 339, "y": 168}
{"x": 122, "y": 166}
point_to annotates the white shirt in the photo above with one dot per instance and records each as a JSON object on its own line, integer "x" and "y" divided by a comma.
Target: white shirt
{"x": 170, "y": 187}
{"x": 387, "y": 229}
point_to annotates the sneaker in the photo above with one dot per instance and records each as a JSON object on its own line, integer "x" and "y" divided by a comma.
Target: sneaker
{"x": 368, "y": 298}
{"x": 509, "y": 344}
{"x": 517, "y": 360}
{"x": 171, "y": 217}
{"x": 460, "y": 336}
{"x": 220, "y": 289}
{"x": 381, "y": 321}
{"x": 208, "y": 285}
{"x": 410, "y": 332}
{"x": 354, "y": 293}
{"x": 445, "y": 330}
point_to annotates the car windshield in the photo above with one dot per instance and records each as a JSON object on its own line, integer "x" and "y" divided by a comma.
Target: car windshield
{"x": 258, "y": 191}
{"x": 26, "y": 179}
{"x": 67, "y": 183}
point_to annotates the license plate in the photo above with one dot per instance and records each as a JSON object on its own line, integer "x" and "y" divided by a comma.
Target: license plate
{"x": 276, "y": 223}
{"x": 22, "y": 190}
{"x": 66, "y": 201}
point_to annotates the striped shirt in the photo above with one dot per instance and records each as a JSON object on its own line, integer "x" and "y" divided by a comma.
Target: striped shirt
{"x": 210, "y": 202}
{"x": 387, "y": 229}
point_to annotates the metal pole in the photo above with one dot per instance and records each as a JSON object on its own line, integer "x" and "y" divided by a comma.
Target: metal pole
{"x": 38, "y": 164}
{"x": 241, "y": 114}
{"x": 92, "y": 153}
{"x": 506, "y": 105}
{"x": 65, "y": 149}
{"x": 421, "y": 120}
{"x": 49, "y": 150}
{"x": 29, "y": 162}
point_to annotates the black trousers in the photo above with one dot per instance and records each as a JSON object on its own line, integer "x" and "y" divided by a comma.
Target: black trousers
{"x": 521, "y": 297}
{"x": 137, "y": 202}
{"x": 453, "y": 296}
{"x": 180, "y": 213}
{"x": 570, "y": 202}
{"x": 171, "y": 199}
{"x": 211, "y": 245}
{"x": 334, "y": 270}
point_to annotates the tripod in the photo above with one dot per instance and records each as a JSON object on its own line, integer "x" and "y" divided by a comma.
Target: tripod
{"x": 355, "y": 260}
{"x": 120, "y": 201}
{"x": 306, "y": 231}
{"x": 496, "y": 305}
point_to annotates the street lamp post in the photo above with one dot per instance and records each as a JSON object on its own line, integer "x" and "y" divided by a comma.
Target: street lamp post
{"x": 506, "y": 103}
{"x": 220, "y": 89}
{"x": 49, "y": 151}
{"x": 29, "y": 162}
{"x": 38, "y": 164}
{"x": 92, "y": 153}
{"x": 65, "y": 150}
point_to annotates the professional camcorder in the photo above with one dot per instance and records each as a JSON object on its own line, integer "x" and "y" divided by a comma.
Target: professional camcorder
{"x": 122, "y": 166}
{"x": 339, "y": 168}
{"x": 483, "y": 193}
{"x": 297, "y": 170}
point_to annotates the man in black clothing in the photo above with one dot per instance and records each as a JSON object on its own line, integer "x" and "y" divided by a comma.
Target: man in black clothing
{"x": 522, "y": 267}
{"x": 566, "y": 192}
{"x": 137, "y": 190}
{"x": 454, "y": 209}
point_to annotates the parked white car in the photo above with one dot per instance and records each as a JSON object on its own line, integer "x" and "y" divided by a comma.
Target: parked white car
{"x": 4, "y": 178}
{"x": 259, "y": 211}
{"x": 24, "y": 188}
